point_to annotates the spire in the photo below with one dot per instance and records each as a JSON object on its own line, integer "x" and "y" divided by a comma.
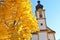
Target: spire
{"x": 39, "y": 5}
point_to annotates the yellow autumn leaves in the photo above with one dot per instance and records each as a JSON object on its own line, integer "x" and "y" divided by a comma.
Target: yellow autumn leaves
{"x": 16, "y": 20}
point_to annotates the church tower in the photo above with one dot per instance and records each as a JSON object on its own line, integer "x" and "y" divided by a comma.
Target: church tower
{"x": 40, "y": 16}
{"x": 45, "y": 32}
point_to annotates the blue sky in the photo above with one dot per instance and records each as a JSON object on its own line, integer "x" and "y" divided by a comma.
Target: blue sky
{"x": 52, "y": 12}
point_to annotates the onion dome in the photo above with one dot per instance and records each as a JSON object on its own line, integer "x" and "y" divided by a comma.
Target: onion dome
{"x": 39, "y": 5}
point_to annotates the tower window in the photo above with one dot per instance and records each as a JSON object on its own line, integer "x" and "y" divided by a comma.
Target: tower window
{"x": 41, "y": 24}
{"x": 40, "y": 15}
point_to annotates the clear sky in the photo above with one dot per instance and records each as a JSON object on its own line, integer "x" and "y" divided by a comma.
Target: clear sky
{"x": 52, "y": 12}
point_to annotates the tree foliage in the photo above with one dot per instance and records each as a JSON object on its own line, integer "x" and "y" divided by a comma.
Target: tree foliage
{"x": 16, "y": 20}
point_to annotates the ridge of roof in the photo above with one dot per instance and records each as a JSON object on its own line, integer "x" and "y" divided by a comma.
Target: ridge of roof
{"x": 50, "y": 30}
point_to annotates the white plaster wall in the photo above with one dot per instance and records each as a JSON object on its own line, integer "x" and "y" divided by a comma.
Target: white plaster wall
{"x": 51, "y": 36}
{"x": 43, "y": 14}
{"x": 43, "y": 36}
{"x": 39, "y": 24}
{"x": 35, "y": 37}
{"x": 37, "y": 13}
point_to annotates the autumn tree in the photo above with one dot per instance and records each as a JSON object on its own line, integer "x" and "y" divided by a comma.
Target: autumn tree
{"x": 16, "y": 20}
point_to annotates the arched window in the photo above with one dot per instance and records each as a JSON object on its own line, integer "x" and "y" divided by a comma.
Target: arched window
{"x": 40, "y": 15}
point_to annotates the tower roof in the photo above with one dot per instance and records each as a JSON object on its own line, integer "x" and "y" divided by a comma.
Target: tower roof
{"x": 39, "y": 5}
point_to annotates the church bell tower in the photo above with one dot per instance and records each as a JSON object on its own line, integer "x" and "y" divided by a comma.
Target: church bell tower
{"x": 45, "y": 32}
{"x": 40, "y": 16}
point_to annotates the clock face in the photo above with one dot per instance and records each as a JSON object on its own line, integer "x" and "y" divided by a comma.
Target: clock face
{"x": 41, "y": 24}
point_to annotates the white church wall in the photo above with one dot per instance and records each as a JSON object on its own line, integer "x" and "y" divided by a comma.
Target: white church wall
{"x": 43, "y": 36}
{"x": 37, "y": 14}
{"x": 43, "y": 14}
{"x": 35, "y": 37}
{"x": 43, "y": 26}
{"x": 51, "y": 36}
